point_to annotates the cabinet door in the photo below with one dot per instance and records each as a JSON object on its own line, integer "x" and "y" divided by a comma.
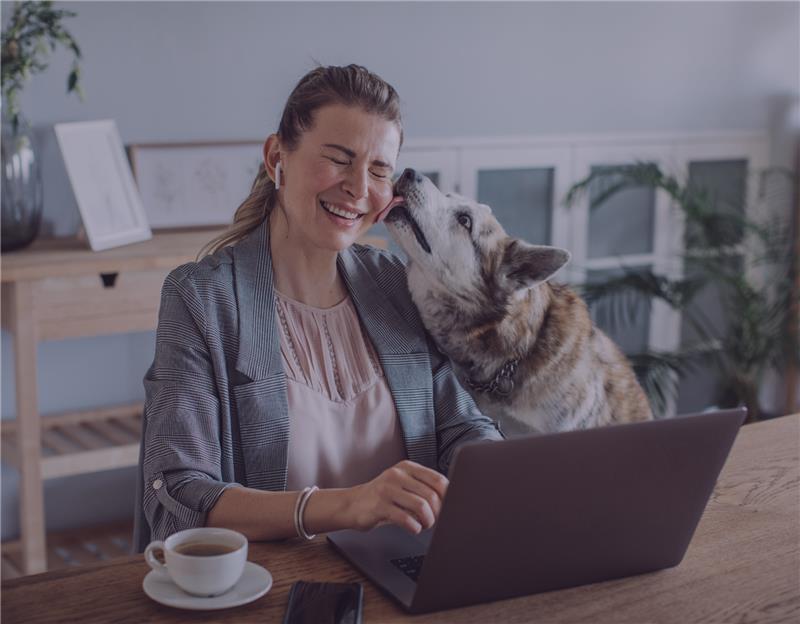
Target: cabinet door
{"x": 631, "y": 231}
{"x": 524, "y": 186}
{"x": 729, "y": 172}
{"x": 440, "y": 165}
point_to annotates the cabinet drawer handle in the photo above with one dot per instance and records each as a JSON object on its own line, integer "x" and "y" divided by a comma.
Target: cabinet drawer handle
{"x": 109, "y": 279}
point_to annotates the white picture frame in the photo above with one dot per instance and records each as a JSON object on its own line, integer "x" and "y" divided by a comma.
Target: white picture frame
{"x": 102, "y": 182}
{"x": 198, "y": 184}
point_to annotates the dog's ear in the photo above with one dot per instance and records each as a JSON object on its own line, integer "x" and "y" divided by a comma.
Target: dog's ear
{"x": 525, "y": 265}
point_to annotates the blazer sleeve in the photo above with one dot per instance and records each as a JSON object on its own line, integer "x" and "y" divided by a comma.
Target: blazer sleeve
{"x": 181, "y": 457}
{"x": 458, "y": 419}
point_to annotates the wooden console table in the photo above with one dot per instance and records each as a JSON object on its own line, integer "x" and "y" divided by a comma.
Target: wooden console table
{"x": 59, "y": 289}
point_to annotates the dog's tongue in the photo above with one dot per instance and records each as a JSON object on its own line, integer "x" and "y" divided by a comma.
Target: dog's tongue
{"x": 385, "y": 212}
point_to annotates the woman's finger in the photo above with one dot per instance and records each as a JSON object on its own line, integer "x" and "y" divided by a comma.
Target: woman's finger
{"x": 433, "y": 479}
{"x": 415, "y": 505}
{"x": 423, "y": 490}
{"x": 399, "y": 516}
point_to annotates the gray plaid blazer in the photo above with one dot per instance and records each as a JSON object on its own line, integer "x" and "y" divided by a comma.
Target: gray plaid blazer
{"x": 216, "y": 413}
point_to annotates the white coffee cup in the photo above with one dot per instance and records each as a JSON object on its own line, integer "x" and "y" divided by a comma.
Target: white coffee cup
{"x": 201, "y": 574}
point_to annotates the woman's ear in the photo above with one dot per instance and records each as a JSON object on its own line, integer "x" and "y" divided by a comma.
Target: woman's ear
{"x": 272, "y": 156}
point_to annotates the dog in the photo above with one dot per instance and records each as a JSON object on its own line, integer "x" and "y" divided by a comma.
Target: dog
{"x": 524, "y": 347}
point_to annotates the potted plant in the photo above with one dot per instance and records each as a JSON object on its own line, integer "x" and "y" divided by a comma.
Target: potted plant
{"x": 29, "y": 30}
{"x": 747, "y": 262}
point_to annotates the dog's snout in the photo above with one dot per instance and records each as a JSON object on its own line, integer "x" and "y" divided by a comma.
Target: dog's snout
{"x": 409, "y": 175}
{"x": 407, "y": 182}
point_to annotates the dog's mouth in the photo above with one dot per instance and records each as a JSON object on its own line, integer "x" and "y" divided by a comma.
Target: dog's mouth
{"x": 401, "y": 213}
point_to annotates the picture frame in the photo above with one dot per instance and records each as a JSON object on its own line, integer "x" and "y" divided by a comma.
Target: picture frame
{"x": 196, "y": 184}
{"x": 103, "y": 184}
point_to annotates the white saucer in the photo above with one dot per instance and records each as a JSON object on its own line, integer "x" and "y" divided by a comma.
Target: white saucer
{"x": 254, "y": 583}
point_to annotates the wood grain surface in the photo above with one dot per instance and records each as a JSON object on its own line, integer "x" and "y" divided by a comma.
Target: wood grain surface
{"x": 743, "y": 565}
{"x": 60, "y": 257}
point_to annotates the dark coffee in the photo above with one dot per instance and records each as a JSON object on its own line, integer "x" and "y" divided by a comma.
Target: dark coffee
{"x": 203, "y": 549}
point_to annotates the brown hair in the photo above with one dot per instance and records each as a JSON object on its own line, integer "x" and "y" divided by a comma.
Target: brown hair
{"x": 352, "y": 85}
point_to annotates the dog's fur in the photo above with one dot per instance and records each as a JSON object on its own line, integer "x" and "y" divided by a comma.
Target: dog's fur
{"x": 485, "y": 299}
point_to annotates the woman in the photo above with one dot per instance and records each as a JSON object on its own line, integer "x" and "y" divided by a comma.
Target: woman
{"x": 289, "y": 358}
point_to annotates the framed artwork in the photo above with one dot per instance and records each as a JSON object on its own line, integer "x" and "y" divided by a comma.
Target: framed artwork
{"x": 101, "y": 179}
{"x": 194, "y": 184}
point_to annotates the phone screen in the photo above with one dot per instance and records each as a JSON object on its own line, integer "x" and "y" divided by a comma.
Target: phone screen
{"x": 324, "y": 603}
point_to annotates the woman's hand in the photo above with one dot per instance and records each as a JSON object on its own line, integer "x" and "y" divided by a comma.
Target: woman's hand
{"x": 407, "y": 494}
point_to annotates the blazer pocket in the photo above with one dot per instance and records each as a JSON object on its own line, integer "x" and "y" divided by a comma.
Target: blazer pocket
{"x": 262, "y": 410}
{"x": 262, "y": 413}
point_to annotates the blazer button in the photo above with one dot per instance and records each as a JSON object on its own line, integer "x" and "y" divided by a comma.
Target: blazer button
{"x": 157, "y": 484}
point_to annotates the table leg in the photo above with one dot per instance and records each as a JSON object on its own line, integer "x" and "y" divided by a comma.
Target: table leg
{"x": 29, "y": 428}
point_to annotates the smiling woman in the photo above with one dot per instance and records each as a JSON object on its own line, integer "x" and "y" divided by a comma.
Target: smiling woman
{"x": 293, "y": 388}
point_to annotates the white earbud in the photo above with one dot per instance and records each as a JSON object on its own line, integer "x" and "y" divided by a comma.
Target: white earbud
{"x": 278, "y": 176}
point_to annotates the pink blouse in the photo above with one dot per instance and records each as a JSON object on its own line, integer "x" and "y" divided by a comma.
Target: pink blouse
{"x": 343, "y": 427}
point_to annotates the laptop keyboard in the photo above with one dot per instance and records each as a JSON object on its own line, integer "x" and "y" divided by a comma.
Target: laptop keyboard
{"x": 410, "y": 566}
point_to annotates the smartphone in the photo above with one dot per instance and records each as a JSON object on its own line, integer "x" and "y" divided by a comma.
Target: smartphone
{"x": 324, "y": 603}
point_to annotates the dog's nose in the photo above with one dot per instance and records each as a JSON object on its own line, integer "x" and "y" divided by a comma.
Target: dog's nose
{"x": 409, "y": 175}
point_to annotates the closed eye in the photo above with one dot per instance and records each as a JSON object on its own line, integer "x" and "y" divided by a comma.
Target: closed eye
{"x": 341, "y": 162}
{"x": 465, "y": 220}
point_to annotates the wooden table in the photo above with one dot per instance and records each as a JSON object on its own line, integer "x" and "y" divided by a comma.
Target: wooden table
{"x": 743, "y": 565}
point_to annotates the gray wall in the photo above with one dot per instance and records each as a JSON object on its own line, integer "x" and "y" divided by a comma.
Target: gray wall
{"x": 205, "y": 71}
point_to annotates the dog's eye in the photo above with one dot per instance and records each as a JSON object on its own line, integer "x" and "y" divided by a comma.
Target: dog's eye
{"x": 465, "y": 220}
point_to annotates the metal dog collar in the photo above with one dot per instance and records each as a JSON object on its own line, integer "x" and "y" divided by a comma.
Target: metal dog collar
{"x": 502, "y": 384}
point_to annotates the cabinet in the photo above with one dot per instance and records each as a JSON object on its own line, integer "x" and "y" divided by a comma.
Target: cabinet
{"x": 59, "y": 289}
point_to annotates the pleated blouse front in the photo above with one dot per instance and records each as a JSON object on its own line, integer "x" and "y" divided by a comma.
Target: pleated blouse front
{"x": 343, "y": 426}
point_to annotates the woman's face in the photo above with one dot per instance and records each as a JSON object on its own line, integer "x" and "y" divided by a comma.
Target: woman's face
{"x": 344, "y": 164}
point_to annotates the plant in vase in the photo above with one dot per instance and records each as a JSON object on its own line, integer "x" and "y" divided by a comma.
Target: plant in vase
{"x": 28, "y": 31}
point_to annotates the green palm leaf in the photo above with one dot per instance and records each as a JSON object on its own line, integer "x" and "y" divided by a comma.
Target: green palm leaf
{"x": 724, "y": 250}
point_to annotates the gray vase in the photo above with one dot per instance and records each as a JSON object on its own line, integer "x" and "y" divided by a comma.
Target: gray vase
{"x": 21, "y": 186}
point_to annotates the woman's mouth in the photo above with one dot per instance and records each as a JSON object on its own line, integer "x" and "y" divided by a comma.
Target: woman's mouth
{"x": 340, "y": 216}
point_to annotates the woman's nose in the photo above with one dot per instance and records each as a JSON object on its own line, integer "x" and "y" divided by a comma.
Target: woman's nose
{"x": 357, "y": 183}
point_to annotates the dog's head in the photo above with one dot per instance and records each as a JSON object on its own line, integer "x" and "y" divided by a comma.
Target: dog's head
{"x": 461, "y": 248}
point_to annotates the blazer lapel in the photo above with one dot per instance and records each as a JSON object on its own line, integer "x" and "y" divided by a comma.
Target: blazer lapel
{"x": 259, "y": 348}
{"x": 261, "y": 404}
{"x": 403, "y": 353}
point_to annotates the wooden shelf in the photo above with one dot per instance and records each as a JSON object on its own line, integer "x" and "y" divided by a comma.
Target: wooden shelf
{"x": 74, "y": 547}
{"x": 58, "y": 289}
{"x": 83, "y": 442}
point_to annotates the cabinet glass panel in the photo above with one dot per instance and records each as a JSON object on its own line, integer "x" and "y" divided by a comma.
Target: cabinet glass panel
{"x": 433, "y": 175}
{"x": 624, "y": 318}
{"x": 723, "y": 184}
{"x": 379, "y": 229}
{"x": 724, "y": 181}
{"x": 521, "y": 199}
{"x": 711, "y": 309}
{"x": 623, "y": 224}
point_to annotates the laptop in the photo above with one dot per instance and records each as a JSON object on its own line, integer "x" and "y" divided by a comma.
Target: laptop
{"x": 544, "y": 512}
